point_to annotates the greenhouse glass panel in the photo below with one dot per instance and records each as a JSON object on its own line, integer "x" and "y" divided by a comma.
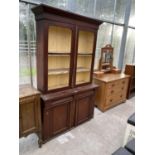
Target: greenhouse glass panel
{"x": 130, "y": 48}
{"x": 24, "y": 61}
{"x": 103, "y": 38}
{"x": 120, "y": 11}
{"x": 32, "y": 42}
{"x": 132, "y": 14}
{"x": 105, "y": 9}
{"x": 85, "y": 7}
{"x": 116, "y": 43}
{"x": 55, "y": 3}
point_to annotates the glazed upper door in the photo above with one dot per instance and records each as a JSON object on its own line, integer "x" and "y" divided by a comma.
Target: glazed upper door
{"x": 85, "y": 54}
{"x": 59, "y": 56}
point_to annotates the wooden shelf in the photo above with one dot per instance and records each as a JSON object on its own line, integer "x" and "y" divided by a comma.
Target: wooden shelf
{"x": 58, "y": 71}
{"x": 80, "y": 82}
{"x": 66, "y": 70}
{"x": 82, "y": 69}
{"x": 84, "y": 61}
{"x": 58, "y": 54}
{"x": 84, "y": 53}
{"x": 83, "y": 77}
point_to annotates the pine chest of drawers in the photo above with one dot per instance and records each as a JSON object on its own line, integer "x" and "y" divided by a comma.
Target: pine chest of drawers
{"x": 112, "y": 90}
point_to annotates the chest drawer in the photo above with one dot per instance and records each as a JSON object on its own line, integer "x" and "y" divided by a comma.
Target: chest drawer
{"x": 114, "y": 99}
{"x": 115, "y": 90}
{"x": 118, "y": 83}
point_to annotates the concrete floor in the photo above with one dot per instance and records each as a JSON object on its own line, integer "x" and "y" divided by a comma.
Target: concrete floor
{"x": 102, "y": 135}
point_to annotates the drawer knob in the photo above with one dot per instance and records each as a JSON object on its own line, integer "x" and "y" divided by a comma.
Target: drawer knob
{"x": 122, "y": 88}
{"x": 110, "y": 100}
{"x": 123, "y": 82}
{"x": 113, "y": 85}
{"x": 121, "y": 96}
{"x": 112, "y": 92}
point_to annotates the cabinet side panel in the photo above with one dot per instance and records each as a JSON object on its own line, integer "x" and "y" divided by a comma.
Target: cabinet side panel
{"x": 41, "y": 60}
{"x": 45, "y": 125}
{"x": 28, "y": 110}
{"x": 100, "y": 93}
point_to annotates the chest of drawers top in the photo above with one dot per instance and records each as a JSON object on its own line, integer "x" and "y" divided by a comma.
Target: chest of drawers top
{"x": 27, "y": 90}
{"x": 111, "y": 77}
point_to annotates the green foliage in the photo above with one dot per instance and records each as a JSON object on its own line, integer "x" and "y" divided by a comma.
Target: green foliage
{"x": 26, "y": 72}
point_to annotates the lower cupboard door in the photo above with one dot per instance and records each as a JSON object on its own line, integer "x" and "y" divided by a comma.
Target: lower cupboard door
{"x": 84, "y": 107}
{"x": 56, "y": 120}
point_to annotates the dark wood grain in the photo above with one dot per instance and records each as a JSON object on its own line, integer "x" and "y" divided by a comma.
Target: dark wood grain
{"x": 67, "y": 107}
{"x": 41, "y": 9}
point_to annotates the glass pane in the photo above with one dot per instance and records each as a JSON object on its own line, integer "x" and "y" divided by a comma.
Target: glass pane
{"x": 120, "y": 11}
{"x": 56, "y": 3}
{"x": 35, "y": 1}
{"x": 116, "y": 43}
{"x": 27, "y": 44}
{"x": 58, "y": 71}
{"x": 32, "y": 33}
{"x": 58, "y": 81}
{"x": 24, "y": 59}
{"x": 84, "y": 62}
{"x": 130, "y": 47}
{"x": 82, "y": 77}
{"x": 59, "y": 49}
{"x": 85, "y": 7}
{"x": 83, "y": 68}
{"x": 58, "y": 62}
{"x": 103, "y": 38}
{"x": 105, "y": 9}
{"x": 132, "y": 14}
{"x": 59, "y": 40}
{"x": 85, "y": 42}
{"x": 84, "y": 59}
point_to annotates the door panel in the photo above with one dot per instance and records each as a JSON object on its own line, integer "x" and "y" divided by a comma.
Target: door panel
{"x": 60, "y": 118}
{"x": 57, "y": 119}
{"x": 59, "y": 56}
{"x": 84, "y": 107}
{"x": 85, "y": 54}
{"x": 28, "y": 111}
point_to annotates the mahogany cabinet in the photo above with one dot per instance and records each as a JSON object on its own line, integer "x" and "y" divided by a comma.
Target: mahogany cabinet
{"x": 29, "y": 112}
{"x": 66, "y": 45}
